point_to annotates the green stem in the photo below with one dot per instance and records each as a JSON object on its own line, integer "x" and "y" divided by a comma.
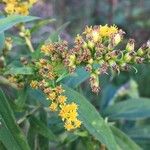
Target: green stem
{"x": 28, "y": 114}
{"x": 29, "y": 44}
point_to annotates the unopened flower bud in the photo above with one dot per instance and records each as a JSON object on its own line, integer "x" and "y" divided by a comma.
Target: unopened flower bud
{"x": 85, "y": 45}
{"x": 94, "y": 81}
{"x": 138, "y": 60}
{"x": 117, "y": 39}
{"x": 114, "y": 54}
{"x": 107, "y": 57}
{"x": 22, "y": 34}
{"x": 72, "y": 59}
{"x": 130, "y": 45}
{"x": 91, "y": 44}
{"x": 112, "y": 63}
{"x": 101, "y": 61}
{"x": 95, "y": 35}
{"x": 90, "y": 61}
{"x": 140, "y": 52}
{"x": 127, "y": 57}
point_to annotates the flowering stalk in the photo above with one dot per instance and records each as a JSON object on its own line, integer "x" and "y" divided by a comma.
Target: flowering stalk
{"x": 97, "y": 49}
{"x": 47, "y": 73}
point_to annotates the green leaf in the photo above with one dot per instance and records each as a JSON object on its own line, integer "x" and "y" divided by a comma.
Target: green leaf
{"x": 6, "y": 137}
{"x": 77, "y": 78}
{"x": 10, "y": 21}
{"x": 10, "y": 134}
{"x": 31, "y": 136}
{"x": 22, "y": 97}
{"x": 2, "y": 40}
{"x": 91, "y": 119}
{"x": 140, "y": 132}
{"x": 130, "y": 109}
{"x": 43, "y": 141}
{"x": 41, "y": 128}
{"x": 40, "y": 24}
{"x": 55, "y": 35}
{"x": 20, "y": 70}
{"x": 123, "y": 141}
{"x": 2, "y": 147}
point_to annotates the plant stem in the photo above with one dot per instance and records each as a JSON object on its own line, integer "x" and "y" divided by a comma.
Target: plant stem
{"x": 28, "y": 114}
{"x": 29, "y": 44}
{"x": 25, "y": 33}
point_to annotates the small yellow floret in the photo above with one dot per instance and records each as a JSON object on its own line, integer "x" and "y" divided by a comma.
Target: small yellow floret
{"x": 106, "y": 31}
{"x": 61, "y": 99}
{"x": 52, "y": 96}
{"x": 34, "y": 84}
{"x": 53, "y": 107}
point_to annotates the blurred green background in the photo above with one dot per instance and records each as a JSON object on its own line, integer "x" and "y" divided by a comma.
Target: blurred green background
{"x": 133, "y": 16}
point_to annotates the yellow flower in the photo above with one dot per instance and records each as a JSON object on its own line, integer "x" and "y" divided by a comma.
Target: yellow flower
{"x": 72, "y": 125}
{"x": 61, "y": 99}
{"x": 52, "y": 96}
{"x": 113, "y": 29}
{"x": 95, "y": 36}
{"x": 10, "y": 8}
{"x": 106, "y": 31}
{"x": 18, "y": 7}
{"x": 34, "y": 84}
{"x": 47, "y": 49}
{"x": 88, "y": 30}
{"x": 53, "y": 107}
{"x": 22, "y": 9}
{"x": 68, "y": 111}
{"x": 77, "y": 123}
{"x": 68, "y": 126}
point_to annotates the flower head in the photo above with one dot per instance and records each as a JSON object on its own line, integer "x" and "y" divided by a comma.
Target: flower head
{"x": 18, "y": 7}
{"x": 106, "y": 31}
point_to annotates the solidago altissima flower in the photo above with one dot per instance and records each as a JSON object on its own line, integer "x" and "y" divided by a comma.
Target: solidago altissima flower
{"x": 18, "y": 6}
{"x": 47, "y": 74}
{"x": 97, "y": 50}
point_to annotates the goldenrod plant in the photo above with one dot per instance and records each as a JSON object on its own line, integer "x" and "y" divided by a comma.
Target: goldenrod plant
{"x": 35, "y": 95}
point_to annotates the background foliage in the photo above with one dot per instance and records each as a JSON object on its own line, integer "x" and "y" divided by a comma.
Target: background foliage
{"x": 117, "y": 117}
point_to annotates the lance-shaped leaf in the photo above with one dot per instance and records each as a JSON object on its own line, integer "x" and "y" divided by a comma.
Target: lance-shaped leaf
{"x": 123, "y": 141}
{"x": 10, "y": 21}
{"x": 10, "y": 134}
{"x": 130, "y": 109}
{"x": 91, "y": 119}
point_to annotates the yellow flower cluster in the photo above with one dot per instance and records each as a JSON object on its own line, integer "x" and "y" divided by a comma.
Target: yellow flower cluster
{"x": 106, "y": 31}
{"x": 47, "y": 49}
{"x": 47, "y": 74}
{"x": 68, "y": 112}
{"x": 96, "y": 33}
{"x": 94, "y": 46}
{"x": 46, "y": 70}
{"x": 18, "y": 7}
